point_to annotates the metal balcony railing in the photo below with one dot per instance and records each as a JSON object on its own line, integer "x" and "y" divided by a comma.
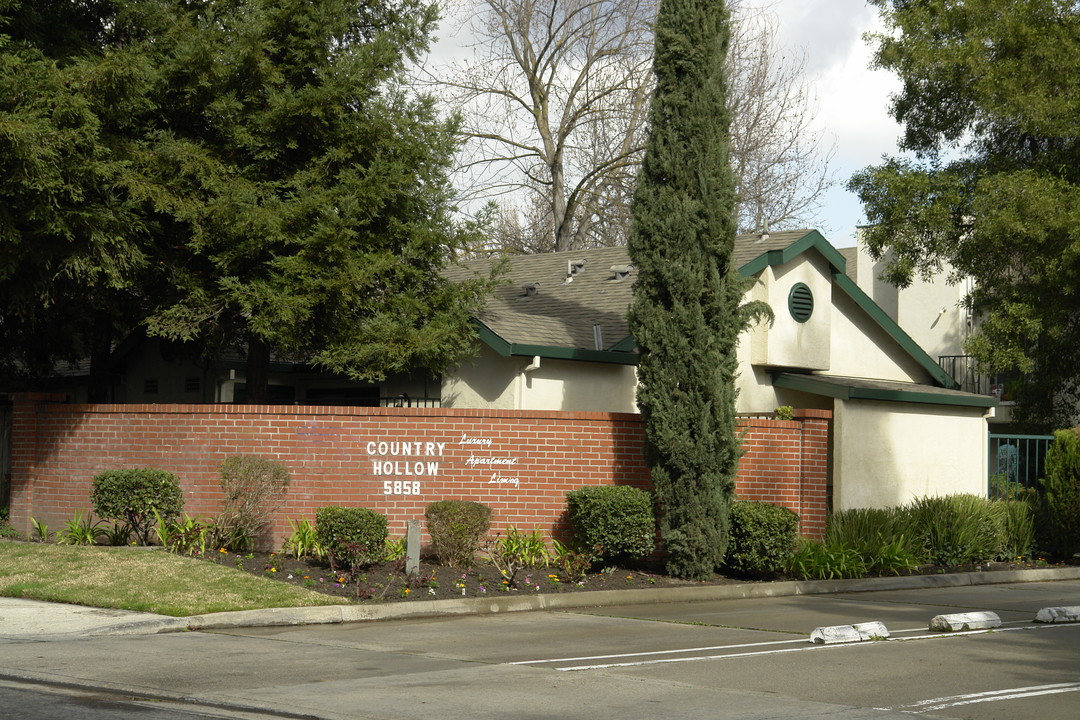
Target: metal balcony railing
{"x": 962, "y": 369}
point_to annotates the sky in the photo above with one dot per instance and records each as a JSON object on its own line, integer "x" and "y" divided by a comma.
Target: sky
{"x": 852, "y": 100}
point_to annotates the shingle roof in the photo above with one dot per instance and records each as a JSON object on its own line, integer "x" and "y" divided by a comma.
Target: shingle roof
{"x": 564, "y": 314}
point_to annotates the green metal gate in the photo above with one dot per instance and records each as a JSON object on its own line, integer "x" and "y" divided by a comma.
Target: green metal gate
{"x": 1016, "y": 461}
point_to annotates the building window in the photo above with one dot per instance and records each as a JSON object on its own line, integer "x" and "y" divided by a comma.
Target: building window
{"x": 192, "y": 384}
{"x": 150, "y": 387}
{"x": 800, "y": 302}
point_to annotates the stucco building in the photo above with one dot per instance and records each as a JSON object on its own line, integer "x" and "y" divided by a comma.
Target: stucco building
{"x": 556, "y": 338}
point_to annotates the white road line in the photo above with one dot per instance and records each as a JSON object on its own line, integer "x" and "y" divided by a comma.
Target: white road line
{"x": 943, "y": 703}
{"x": 806, "y": 647}
{"x": 812, "y": 648}
{"x": 658, "y": 652}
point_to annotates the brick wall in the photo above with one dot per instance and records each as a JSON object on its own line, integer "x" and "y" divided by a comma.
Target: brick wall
{"x": 393, "y": 460}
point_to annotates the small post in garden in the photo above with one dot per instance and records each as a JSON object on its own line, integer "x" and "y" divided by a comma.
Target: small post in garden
{"x": 412, "y": 548}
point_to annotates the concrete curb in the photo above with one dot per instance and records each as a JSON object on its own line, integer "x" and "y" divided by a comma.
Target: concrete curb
{"x": 1068, "y": 614}
{"x": 964, "y": 622}
{"x": 571, "y": 600}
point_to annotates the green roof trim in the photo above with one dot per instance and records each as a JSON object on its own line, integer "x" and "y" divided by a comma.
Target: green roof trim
{"x": 887, "y": 392}
{"x": 508, "y": 349}
{"x": 814, "y": 239}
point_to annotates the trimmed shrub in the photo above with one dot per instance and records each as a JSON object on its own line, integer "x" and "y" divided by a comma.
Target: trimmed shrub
{"x": 456, "y": 527}
{"x": 763, "y": 537}
{"x": 612, "y": 522}
{"x": 254, "y": 489}
{"x": 1061, "y": 494}
{"x": 137, "y": 497}
{"x": 350, "y": 537}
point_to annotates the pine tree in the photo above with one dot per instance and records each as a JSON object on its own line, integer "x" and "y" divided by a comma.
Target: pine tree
{"x": 306, "y": 185}
{"x": 686, "y": 315}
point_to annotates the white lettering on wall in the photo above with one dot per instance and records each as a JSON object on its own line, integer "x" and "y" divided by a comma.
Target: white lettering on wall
{"x": 398, "y": 449}
{"x": 402, "y": 459}
{"x": 498, "y": 479}
{"x": 475, "y": 460}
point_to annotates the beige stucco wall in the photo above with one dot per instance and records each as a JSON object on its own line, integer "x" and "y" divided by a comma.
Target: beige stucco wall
{"x": 789, "y": 343}
{"x": 930, "y": 311}
{"x": 887, "y": 454}
{"x": 492, "y": 381}
{"x": 862, "y": 348}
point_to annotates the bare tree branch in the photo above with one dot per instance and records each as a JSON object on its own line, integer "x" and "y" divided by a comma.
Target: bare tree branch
{"x": 555, "y": 103}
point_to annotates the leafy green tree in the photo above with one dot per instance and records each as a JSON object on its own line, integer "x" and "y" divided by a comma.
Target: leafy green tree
{"x": 70, "y": 242}
{"x": 686, "y": 314}
{"x": 989, "y": 105}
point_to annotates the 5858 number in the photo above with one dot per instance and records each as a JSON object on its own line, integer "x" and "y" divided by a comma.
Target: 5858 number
{"x": 401, "y": 487}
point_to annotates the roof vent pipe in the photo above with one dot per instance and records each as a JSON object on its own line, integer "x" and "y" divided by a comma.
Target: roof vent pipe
{"x": 529, "y": 289}
{"x": 598, "y": 336}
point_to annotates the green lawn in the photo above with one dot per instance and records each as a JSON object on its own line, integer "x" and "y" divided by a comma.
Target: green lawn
{"x": 139, "y": 579}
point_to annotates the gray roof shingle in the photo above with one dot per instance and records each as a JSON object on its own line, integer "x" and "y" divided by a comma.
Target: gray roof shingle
{"x": 563, "y": 314}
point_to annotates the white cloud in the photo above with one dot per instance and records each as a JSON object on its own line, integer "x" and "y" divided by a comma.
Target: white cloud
{"x": 853, "y": 100}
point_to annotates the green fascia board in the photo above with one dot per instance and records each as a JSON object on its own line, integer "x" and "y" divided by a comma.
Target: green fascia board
{"x": 505, "y": 348}
{"x": 809, "y": 384}
{"x": 814, "y": 239}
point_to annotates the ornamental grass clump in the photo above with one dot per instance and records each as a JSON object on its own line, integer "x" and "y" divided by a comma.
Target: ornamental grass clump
{"x": 136, "y": 497}
{"x": 880, "y": 537}
{"x": 1016, "y": 523}
{"x": 955, "y": 529}
{"x": 456, "y": 528}
{"x": 612, "y": 522}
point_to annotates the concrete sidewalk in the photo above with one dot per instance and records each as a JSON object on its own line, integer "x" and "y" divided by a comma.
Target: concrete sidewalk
{"x": 30, "y": 619}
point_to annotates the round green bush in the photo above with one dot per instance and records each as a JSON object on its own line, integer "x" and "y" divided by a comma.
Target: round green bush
{"x": 137, "y": 496}
{"x": 612, "y": 522}
{"x": 350, "y": 537}
{"x": 763, "y": 538}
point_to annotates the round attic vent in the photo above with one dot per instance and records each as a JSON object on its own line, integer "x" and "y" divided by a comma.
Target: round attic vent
{"x": 800, "y": 302}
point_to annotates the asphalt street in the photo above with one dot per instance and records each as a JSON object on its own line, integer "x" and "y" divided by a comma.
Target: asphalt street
{"x": 734, "y": 658}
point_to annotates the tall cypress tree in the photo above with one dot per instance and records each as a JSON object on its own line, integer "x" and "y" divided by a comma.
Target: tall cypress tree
{"x": 686, "y": 315}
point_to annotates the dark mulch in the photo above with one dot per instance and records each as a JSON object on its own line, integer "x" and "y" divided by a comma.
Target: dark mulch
{"x": 388, "y": 581}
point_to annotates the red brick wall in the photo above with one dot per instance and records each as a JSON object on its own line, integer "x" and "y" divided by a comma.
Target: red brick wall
{"x": 520, "y": 463}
